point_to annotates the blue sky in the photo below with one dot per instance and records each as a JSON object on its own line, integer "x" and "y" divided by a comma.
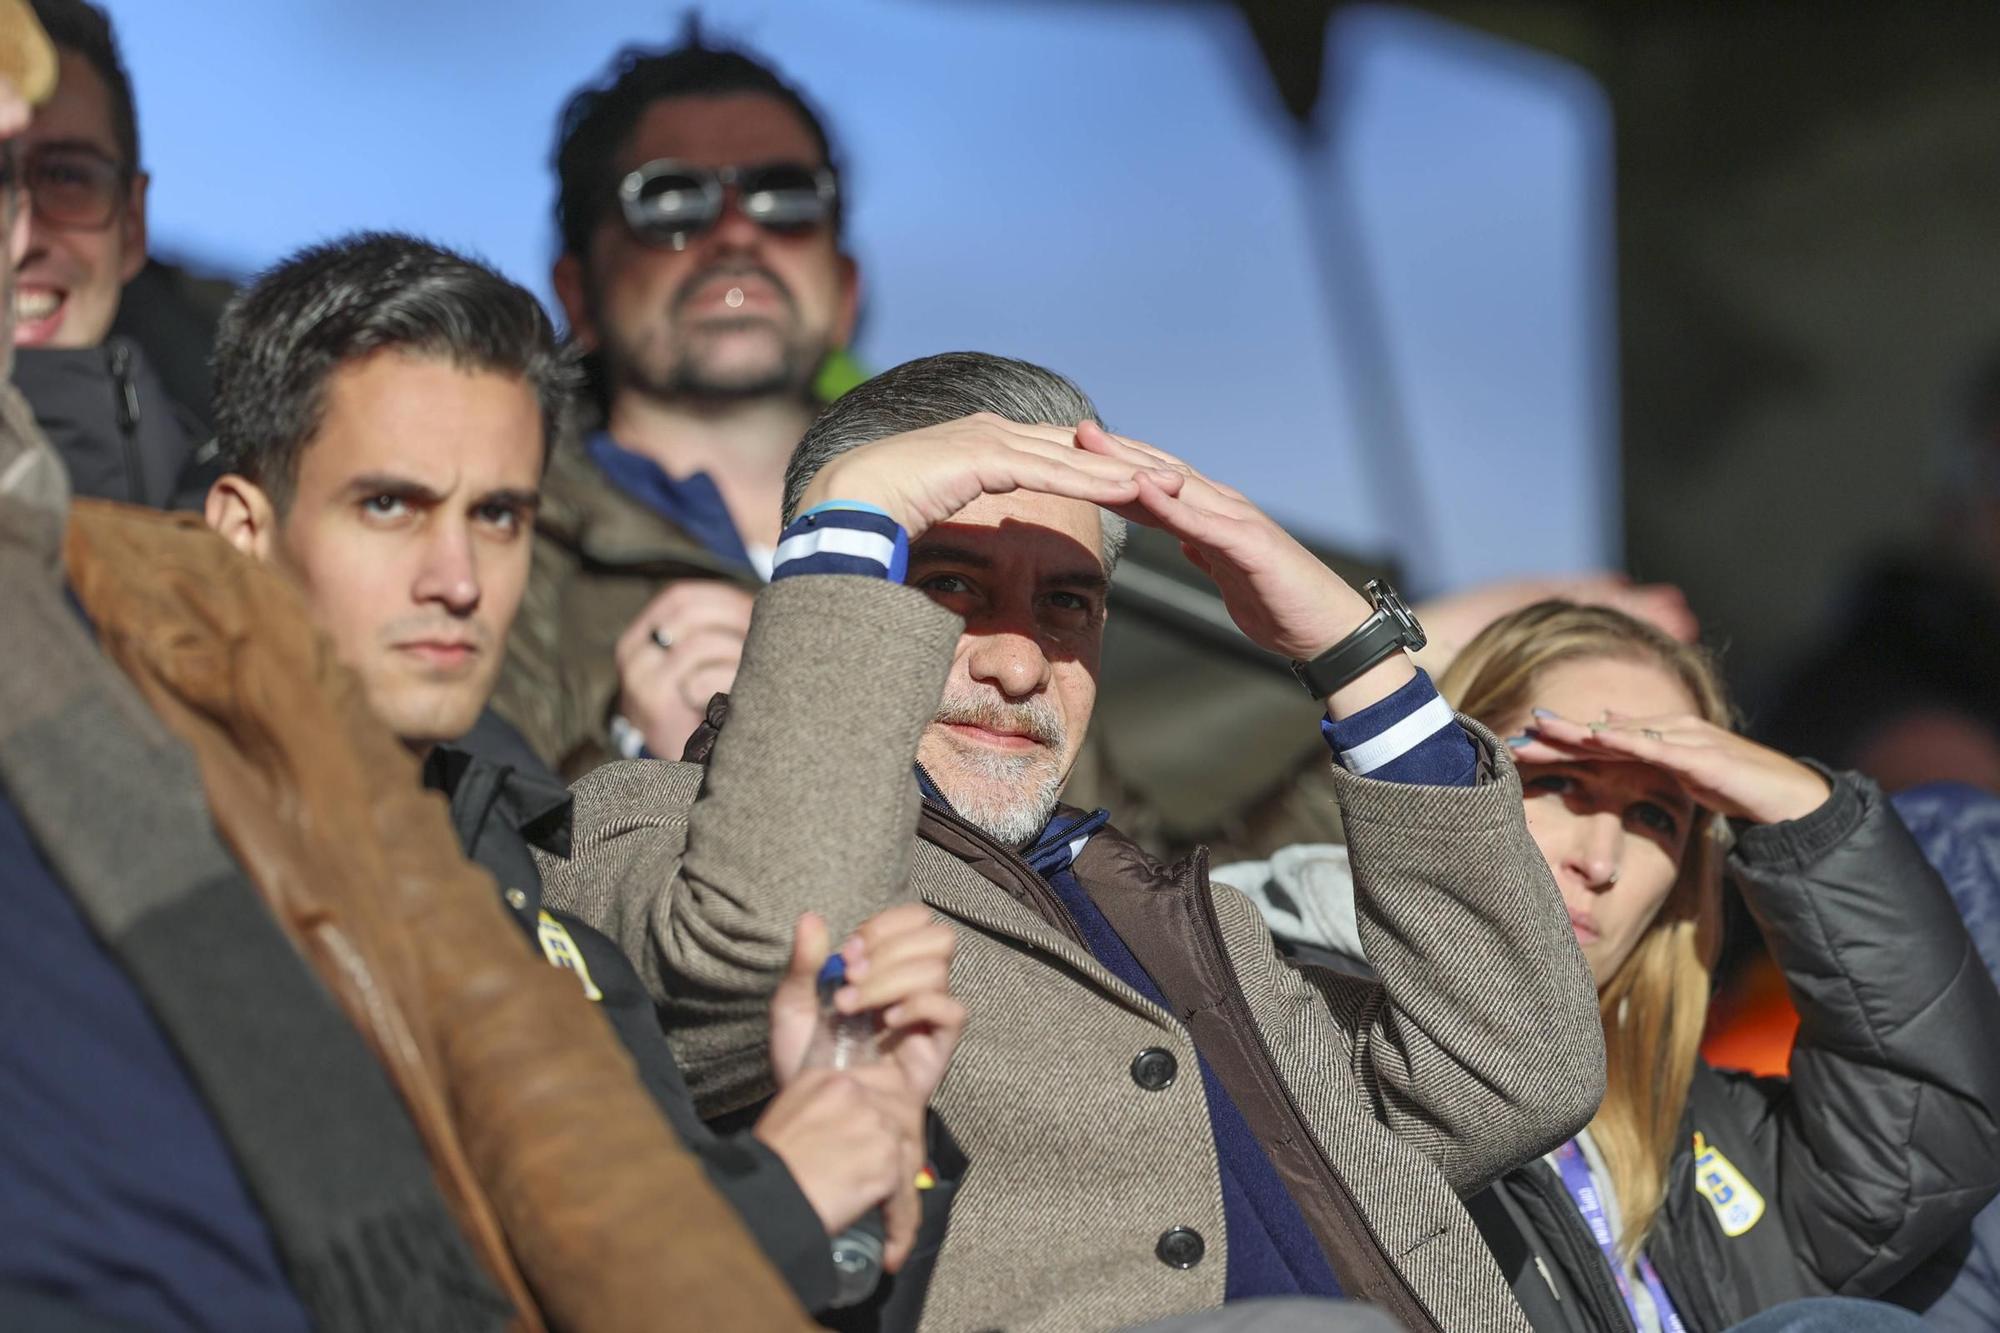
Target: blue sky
{"x": 1107, "y": 188}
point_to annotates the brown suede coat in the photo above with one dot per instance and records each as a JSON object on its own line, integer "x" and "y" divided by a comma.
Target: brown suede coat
{"x": 573, "y": 1190}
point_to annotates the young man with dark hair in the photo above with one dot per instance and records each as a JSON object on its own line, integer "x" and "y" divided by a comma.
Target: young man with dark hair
{"x": 701, "y": 268}
{"x": 385, "y": 408}
{"x": 274, "y": 1060}
{"x": 431, "y": 391}
{"x": 95, "y": 395}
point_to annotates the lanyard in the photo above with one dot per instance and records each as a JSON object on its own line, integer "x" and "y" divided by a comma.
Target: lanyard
{"x": 1575, "y": 1172}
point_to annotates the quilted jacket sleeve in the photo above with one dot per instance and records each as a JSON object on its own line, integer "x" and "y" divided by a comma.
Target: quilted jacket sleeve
{"x": 1481, "y": 1042}
{"x": 1886, "y": 1140}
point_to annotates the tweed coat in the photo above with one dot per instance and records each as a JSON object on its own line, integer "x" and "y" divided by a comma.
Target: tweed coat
{"x": 1481, "y": 1049}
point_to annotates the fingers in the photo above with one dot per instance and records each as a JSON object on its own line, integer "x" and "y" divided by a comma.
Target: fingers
{"x": 898, "y": 1123}
{"x": 795, "y": 1003}
{"x": 1061, "y": 436}
{"x": 930, "y": 1012}
{"x": 852, "y": 1139}
{"x": 1200, "y": 487}
{"x": 891, "y": 922}
{"x": 1533, "y": 748}
{"x": 683, "y": 609}
{"x": 1093, "y": 439}
{"x": 14, "y": 110}
{"x": 885, "y": 986}
{"x": 1096, "y": 439}
{"x": 1636, "y": 739}
{"x": 899, "y": 963}
{"x": 1060, "y": 446}
{"x": 922, "y": 1038}
{"x": 902, "y": 1214}
{"x": 681, "y": 637}
{"x": 1582, "y": 735}
{"x": 907, "y": 931}
{"x": 1192, "y": 524}
{"x": 1077, "y": 476}
{"x": 809, "y": 948}
{"x": 658, "y": 675}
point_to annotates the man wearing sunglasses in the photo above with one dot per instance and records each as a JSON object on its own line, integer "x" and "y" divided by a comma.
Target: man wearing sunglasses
{"x": 702, "y": 271}
{"x": 94, "y": 395}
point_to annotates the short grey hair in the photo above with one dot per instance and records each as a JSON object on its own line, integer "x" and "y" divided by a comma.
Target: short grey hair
{"x": 931, "y": 391}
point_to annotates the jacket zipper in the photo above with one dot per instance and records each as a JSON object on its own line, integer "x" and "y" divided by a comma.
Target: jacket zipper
{"x": 1048, "y": 905}
{"x": 1601, "y": 1305}
{"x": 1392, "y": 1288}
{"x": 126, "y": 395}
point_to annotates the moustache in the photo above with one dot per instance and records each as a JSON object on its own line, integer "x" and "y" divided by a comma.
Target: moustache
{"x": 1035, "y": 718}
{"x": 726, "y": 271}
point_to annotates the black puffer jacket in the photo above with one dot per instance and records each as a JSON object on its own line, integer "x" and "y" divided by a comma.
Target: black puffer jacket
{"x": 1870, "y": 1158}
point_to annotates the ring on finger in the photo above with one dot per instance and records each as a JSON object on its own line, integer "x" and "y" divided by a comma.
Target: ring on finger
{"x": 662, "y": 637}
{"x": 1650, "y": 734}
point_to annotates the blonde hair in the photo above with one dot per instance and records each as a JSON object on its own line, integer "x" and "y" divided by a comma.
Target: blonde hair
{"x": 1655, "y": 1006}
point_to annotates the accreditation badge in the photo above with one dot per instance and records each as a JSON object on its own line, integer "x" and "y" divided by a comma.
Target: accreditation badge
{"x": 561, "y": 951}
{"x": 1736, "y": 1201}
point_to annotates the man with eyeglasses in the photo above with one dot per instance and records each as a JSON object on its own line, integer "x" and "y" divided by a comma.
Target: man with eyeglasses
{"x": 95, "y": 396}
{"x": 701, "y": 268}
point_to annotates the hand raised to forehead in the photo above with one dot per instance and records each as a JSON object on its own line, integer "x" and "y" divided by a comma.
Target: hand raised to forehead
{"x": 1282, "y": 596}
{"x": 923, "y": 477}
{"x": 1720, "y": 770}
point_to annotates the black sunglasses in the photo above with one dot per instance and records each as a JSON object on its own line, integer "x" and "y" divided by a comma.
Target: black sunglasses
{"x": 667, "y": 202}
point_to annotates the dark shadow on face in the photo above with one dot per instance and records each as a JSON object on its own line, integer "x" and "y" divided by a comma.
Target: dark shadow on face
{"x": 1019, "y": 577}
{"x": 1023, "y": 681}
{"x": 1649, "y": 802}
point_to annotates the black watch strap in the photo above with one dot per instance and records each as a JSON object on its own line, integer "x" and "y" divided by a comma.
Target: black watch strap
{"x": 1391, "y": 629}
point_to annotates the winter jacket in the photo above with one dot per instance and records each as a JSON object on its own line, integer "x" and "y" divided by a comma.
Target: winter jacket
{"x": 1095, "y": 1198}
{"x": 1958, "y": 827}
{"x": 600, "y": 557}
{"x": 1876, "y": 1152}
{"x": 106, "y": 413}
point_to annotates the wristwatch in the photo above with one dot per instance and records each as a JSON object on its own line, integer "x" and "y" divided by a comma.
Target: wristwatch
{"x": 1390, "y": 629}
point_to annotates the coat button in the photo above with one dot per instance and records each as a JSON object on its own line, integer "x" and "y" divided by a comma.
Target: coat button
{"x": 1180, "y": 1248}
{"x": 1153, "y": 1069}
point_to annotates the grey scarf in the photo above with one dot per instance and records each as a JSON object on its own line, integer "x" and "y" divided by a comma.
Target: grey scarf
{"x": 116, "y": 805}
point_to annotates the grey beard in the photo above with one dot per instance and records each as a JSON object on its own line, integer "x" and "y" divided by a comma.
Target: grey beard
{"x": 1019, "y": 811}
{"x": 1009, "y": 796}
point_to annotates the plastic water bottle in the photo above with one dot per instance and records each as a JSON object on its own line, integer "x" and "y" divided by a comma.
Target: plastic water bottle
{"x": 846, "y": 1041}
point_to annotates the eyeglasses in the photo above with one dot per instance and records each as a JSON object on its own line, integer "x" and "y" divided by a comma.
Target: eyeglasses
{"x": 667, "y": 202}
{"x": 68, "y": 186}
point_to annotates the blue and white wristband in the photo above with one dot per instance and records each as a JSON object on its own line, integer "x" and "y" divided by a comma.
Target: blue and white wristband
{"x": 843, "y": 537}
